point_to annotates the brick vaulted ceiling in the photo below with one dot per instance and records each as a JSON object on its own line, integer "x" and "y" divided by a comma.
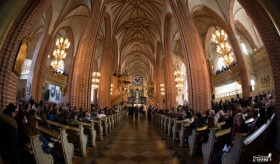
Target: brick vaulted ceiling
{"x": 136, "y": 25}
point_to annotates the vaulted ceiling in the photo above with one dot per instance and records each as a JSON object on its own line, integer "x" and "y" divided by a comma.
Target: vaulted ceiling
{"x": 136, "y": 25}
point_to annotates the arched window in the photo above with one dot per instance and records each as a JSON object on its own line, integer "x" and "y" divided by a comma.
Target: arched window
{"x": 220, "y": 63}
{"x": 244, "y": 48}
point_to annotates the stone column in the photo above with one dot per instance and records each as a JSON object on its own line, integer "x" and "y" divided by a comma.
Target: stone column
{"x": 242, "y": 64}
{"x": 170, "y": 90}
{"x": 84, "y": 60}
{"x": 95, "y": 96}
{"x": 196, "y": 66}
{"x": 105, "y": 67}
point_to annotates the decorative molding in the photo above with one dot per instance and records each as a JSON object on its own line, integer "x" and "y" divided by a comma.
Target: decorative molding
{"x": 55, "y": 78}
{"x": 230, "y": 75}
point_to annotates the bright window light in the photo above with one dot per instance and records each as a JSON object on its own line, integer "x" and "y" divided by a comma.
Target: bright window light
{"x": 244, "y": 49}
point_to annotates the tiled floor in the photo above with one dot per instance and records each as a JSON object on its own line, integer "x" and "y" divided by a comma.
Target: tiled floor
{"x": 137, "y": 141}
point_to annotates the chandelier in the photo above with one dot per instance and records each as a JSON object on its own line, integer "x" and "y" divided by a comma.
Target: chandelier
{"x": 228, "y": 58}
{"x": 162, "y": 89}
{"x": 57, "y": 65}
{"x": 95, "y": 79}
{"x": 223, "y": 48}
{"x": 60, "y": 53}
{"x": 111, "y": 89}
{"x": 219, "y": 36}
{"x": 179, "y": 79}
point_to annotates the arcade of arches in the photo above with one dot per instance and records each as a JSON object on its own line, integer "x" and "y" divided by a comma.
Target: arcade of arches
{"x": 136, "y": 46}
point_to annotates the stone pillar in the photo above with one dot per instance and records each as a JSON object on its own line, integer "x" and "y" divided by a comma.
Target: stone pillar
{"x": 170, "y": 90}
{"x": 158, "y": 76}
{"x": 242, "y": 64}
{"x": 95, "y": 96}
{"x": 23, "y": 24}
{"x": 196, "y": 66}
{"x": 84, "y": 59}
{"x": 105, "y": 67}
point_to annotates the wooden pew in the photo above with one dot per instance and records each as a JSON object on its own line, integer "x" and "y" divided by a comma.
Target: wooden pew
{"x": 170, "y": 125}
{"x": 162, "y": 121}
{"x": 197, "y": 133}
{"x": 195, "y": 136}
{"x": 214, "y": 143}
{"x": 165, "y": 124}
{"x": 37, "y": 151}
{"x": 104, "y": 125}
{"x": 112, "y": 122}
{"x": 184, "y": 131}
{"x": 75, "y": 135}
{"x": 177, "y": 125}
{"x": 90, "y": 131}
{"x": 99, "y": 129}
{"x": 67, "y": 148}
{"x": 245, "y": 147}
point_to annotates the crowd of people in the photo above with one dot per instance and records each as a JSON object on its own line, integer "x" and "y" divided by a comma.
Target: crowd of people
{"x": 233, "y": 112}
{"x": 19, "y": 121}
{"x": 224, "y": 68}
{"x": 136, "y": 111}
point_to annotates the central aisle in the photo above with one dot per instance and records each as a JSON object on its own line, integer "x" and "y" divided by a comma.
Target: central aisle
{"x": 137, "y": 141}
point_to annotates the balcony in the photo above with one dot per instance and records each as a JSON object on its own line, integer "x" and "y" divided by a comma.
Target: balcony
{"x": 55, "y": 78}
{"x": 226, "y": 77}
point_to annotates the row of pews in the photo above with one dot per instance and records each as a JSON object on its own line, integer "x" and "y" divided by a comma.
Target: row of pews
{"x": 71, "y": 140}
{"x": 242, "y": 151}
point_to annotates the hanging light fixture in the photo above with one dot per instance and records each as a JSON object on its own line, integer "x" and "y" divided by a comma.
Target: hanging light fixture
{"x": 59, "y": 53}
{"x": 111, "y": 89}
{"x": 162, "y": 89}
{"x": 95, "y": 79}
{"x": 223, "y": 48}
{"x": 179, "y": 79}
{"x": 220, "y": 37}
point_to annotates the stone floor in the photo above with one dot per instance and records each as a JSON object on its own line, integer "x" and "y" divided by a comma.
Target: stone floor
{"x": 138, "y": 141}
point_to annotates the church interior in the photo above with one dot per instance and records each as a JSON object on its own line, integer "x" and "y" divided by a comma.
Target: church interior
{"x": 139, "y": 81}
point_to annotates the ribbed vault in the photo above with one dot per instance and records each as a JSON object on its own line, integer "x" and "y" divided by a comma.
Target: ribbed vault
{"x": 136, "y": 25}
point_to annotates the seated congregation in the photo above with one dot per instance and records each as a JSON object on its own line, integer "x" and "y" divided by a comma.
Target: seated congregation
{"x": 231, "y": 132}
{"x": 53, "y": 133}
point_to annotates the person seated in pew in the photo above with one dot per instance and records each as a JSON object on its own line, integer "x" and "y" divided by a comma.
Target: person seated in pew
{"x": 87, "y": 117}
{"x": 247, "y": 114}
{"x": 229, "y": 120}
{"x": 198, "y": 121}
{"x": 270, "y": 110}
{"x": 181, "y": 114}
{"x": 207, "y": 114}
{"x": 263, "y": 116}
{"x": 80, "y": 114}
{"x": 100, "y": 114}
{"x": 22, "y": 121}
{"x": 257, "y": 123}
{"x": 211, "y": 123}
{"x": 239, "y": 126}
{"x": 53, "y": 116}
{"x": 221, "y": 116}
{"x": 31, "y": 114}
{"x": 9, "y": 135}
{"x": 48, "y": 147}
{"x": 73, "y": 119}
